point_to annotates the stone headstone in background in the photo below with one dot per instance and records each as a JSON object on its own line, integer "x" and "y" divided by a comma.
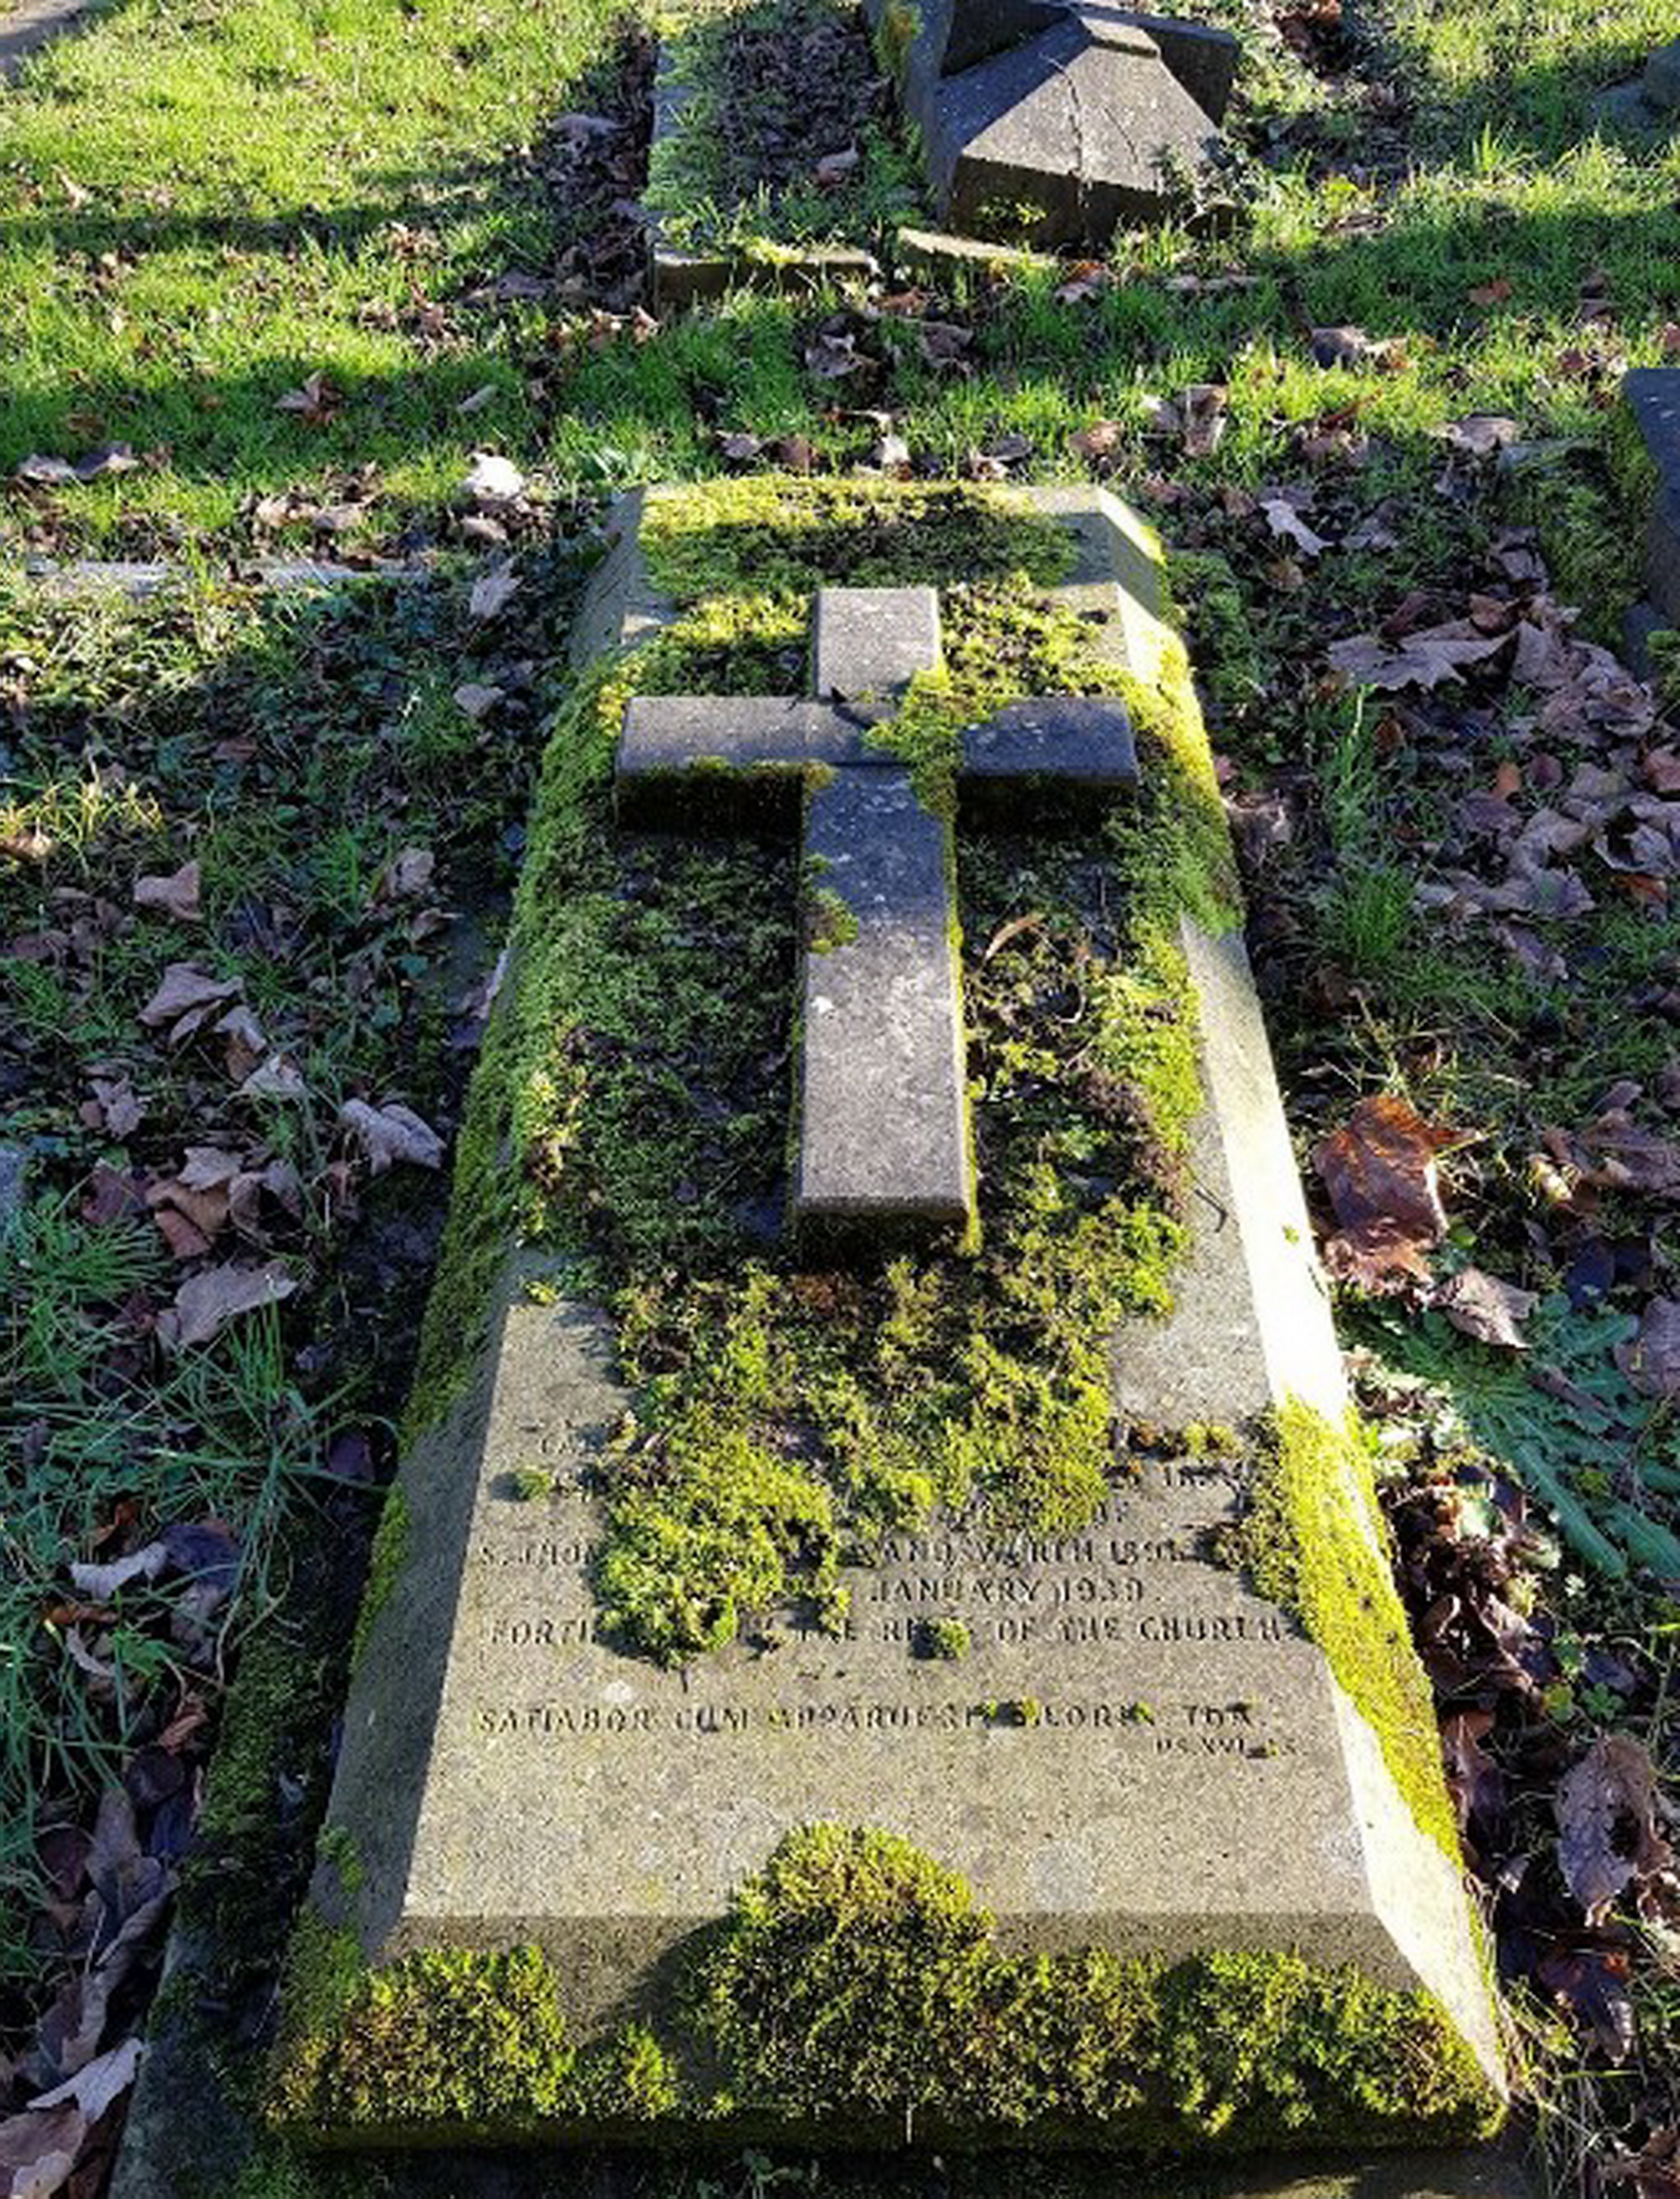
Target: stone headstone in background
{"x": 1137, "y": 1752}
{"x": 1653, "y": 394}
{"x": 1057, "y": 125}
{"x": 1649, "y": 102}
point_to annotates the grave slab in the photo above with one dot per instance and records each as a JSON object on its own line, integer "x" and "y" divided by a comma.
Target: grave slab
{"x": 1138, "y": 1752}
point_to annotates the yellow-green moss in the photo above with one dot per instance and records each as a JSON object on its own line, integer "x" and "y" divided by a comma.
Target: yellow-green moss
{"x": 843, "y": 1404}
{"x": 897, "y": 31}
{"x": 856, "y": 1973}
{"x": 1313, "y": 1541}
{"x": 830, "y": 920}
{"x": 451, "y": 2040}
{"x": 856, "y": 1987}
{"x": 784, "y": 532}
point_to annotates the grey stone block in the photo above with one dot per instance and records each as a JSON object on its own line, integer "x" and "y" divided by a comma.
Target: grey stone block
{"x": 1203, "y": 59}
{"x": 938, "y": 254}
{"x": 1660, "y": 82}
{"x": 1087, "y": 132}
{"x": 867, "y": 645}
{"x": 1072, "y": 745}
{"x": 1079, "y": 115}
{"x": 882, "y": 1142}
{"x": 1640, "y": 622}
{"x": 671, "y": 742}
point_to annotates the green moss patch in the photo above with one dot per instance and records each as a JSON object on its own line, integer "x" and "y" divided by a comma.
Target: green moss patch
{"x": 629, "y": 1114}
{"x": 856, "y": 1984}
{"x": 1312, "y": 1540}
{"x": 777, "y": 532}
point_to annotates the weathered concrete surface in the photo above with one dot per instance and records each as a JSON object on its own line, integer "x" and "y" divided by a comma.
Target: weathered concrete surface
{"x": 82, "y": 576}
{"x": 509, "y": 1775}
{"x": 1062, "y": 743}
{"x": 867, "y": 645}
{"x": 24, "y": 30}
{"x": 1648, "y": 102}
{"x": 883, "y": 1111}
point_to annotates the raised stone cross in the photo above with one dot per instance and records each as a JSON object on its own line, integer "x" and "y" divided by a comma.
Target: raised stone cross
{"x": 884, "y": 1145}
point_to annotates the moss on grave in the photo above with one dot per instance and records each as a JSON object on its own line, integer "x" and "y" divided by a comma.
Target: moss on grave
{"x": 782, "y": 532}
{"x": 895, "y": 33}
{"x": 1664, "y": 652}
{"x": 856, "y": 1986}
{"x": 627, "y": 1115}
{"x": 1312, "y": 1540}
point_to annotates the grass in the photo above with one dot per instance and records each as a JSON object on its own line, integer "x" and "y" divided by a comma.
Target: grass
{"x": 213, "y": 206}
{"x": 292, "y": 747}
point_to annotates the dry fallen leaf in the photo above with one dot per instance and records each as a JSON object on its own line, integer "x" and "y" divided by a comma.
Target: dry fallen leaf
{"x": 114, "y": 1107}
{"x": 390, "y": 1133}
{"x": 184, "y": 998}
{"x": 408, "y": 872}
{"x": 493, "y": 479}
{"x": 477, "y": 702}
{"x": 279, "y": 1077}
{"x": 206, "y": 1302}
{"x": 493, "y": 591}
{"x": 316, "y": 402}
{"x": 102, "y": 1582}
{"x": 1479, "y": 434}
{"x": 1379, "y": 1170}
{"x": 1607, "y": 1813}
{"x": 1098, "y": 441}
{"x": 1483, "y": 1306}
{"x": 1421, "y": 660}
{"x": 1288, "y": 524}
{"x": 177, "y": 894}
{"x": 1652, "y": 1361}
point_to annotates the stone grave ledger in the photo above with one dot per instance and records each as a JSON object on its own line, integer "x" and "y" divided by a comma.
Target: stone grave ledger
{"x": 1136, "y": 1752}
{"x": 1056, "y": 124}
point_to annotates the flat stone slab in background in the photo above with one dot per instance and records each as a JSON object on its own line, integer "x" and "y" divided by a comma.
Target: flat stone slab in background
{"x": 25, "y": 30}
{"x": 492, "y": 1737}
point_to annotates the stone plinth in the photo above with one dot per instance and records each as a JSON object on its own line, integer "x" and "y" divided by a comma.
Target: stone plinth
{"x": 1060, "y": 123}
{"x": 1132, "y": 1748}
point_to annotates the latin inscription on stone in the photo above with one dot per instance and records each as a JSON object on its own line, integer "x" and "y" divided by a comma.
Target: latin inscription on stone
{"x": 1124, "y": 1638}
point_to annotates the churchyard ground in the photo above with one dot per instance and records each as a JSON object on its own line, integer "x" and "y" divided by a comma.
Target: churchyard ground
{"x": 274, "y": 278}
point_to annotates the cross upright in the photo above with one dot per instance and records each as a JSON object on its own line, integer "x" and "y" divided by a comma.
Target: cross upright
{"x": 883, "y": 1147}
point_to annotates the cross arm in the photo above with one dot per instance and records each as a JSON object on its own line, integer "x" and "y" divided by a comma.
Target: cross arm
{"x": 671, "y": 745}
